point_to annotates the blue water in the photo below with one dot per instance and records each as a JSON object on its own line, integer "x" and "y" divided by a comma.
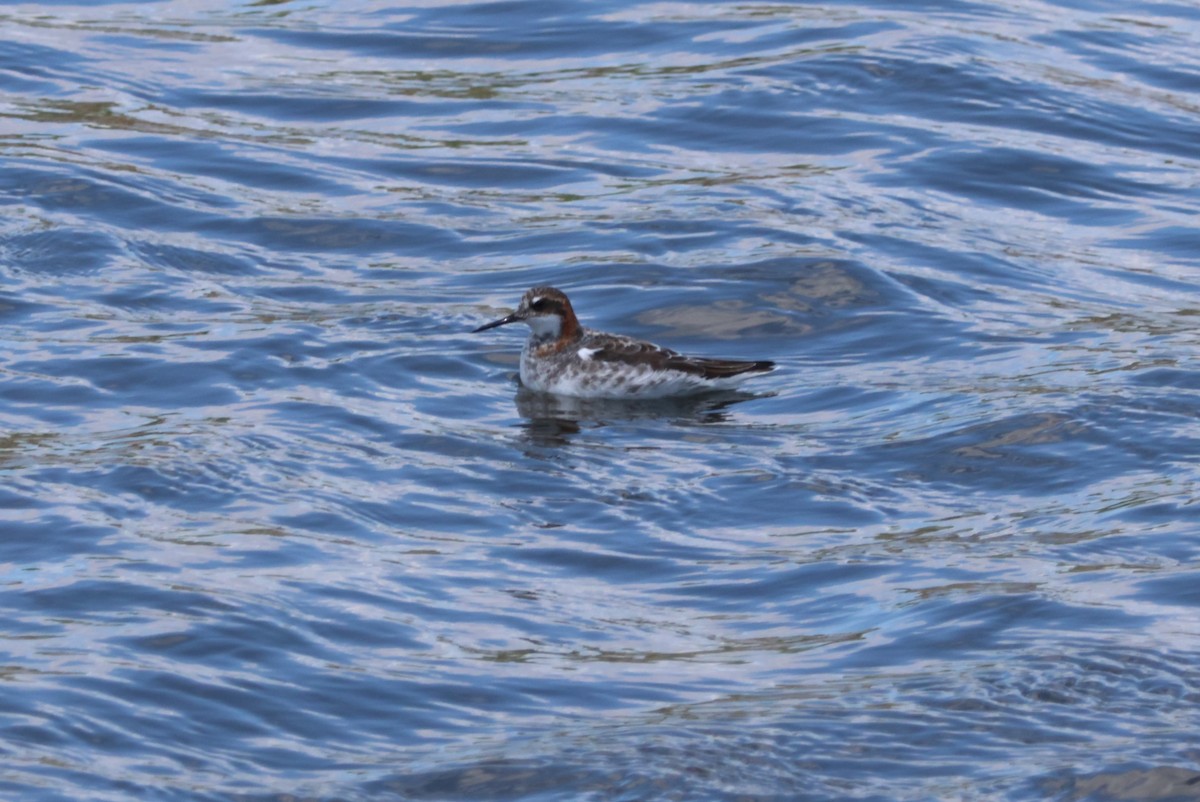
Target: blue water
{"x": 275, "y": 526}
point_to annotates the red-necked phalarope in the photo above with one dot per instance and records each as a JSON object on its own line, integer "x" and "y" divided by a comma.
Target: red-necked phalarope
{"x": 564, "y": 358}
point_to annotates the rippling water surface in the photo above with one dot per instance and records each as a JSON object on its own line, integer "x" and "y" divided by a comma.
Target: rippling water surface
{"x": 275, "y": 526}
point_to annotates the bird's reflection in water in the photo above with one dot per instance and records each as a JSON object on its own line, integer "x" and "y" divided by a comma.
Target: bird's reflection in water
{"x": 551, "y": 420}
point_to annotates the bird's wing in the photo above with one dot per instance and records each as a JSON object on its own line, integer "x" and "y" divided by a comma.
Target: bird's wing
{"x": 613, "y": 348}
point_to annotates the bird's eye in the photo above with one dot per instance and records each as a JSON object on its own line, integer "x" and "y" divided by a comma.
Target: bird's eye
{"x": 539, "y": 305}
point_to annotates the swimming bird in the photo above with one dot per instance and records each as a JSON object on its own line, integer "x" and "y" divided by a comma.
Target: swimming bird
{"x": 564, "y": 358}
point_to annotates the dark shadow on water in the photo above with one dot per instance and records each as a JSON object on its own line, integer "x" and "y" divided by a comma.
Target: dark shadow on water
{"x": 1152, "y": 784}
{"x": 551, "y": 420}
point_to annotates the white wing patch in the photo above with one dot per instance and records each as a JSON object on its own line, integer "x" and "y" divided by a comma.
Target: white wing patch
{"x": 586, "y": 354}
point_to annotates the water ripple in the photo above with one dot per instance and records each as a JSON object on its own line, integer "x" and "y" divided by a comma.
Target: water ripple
{"x": 276, "y": 525}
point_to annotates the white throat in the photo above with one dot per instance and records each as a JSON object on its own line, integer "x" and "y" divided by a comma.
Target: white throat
{"x": 545, "y": 327}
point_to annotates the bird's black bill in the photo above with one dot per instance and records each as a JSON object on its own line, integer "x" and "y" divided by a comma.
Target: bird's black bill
{"x": 504, "y": 321}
